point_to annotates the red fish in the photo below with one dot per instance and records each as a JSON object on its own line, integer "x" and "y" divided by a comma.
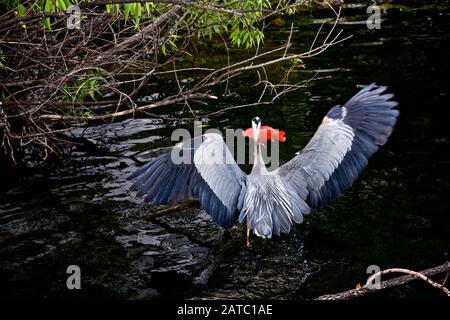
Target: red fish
{"x": 266, "y": 133}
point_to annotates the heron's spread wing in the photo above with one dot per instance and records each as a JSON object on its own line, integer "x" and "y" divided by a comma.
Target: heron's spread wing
{"x": 342, "y": 145}
{"x": 202, "y": 168}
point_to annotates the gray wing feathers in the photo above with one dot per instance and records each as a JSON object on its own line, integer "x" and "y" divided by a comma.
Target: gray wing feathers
{"x": 217, "y": 167}
{"x": 202, "y": 168}
{"x": 342, "y": 145}
{"x": 315, "y": 163}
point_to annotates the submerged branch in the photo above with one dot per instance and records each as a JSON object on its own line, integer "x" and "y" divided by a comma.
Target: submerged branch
{"x": 172, "y": 209}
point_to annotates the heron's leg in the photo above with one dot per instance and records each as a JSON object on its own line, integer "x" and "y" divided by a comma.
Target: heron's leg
{"x": 248, "y": 236}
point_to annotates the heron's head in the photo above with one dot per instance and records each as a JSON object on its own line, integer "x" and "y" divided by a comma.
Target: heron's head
{"x": 256, "y": 126}
{"x": 263, "y": 133}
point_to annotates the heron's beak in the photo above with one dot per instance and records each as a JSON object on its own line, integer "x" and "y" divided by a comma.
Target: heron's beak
{"x": 256, "y": 126}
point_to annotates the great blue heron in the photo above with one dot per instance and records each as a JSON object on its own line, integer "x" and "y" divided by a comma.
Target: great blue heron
{"x": 270, "y": 202}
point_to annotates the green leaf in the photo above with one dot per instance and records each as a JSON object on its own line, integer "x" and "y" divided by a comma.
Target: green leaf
{"x": 49, "y": 6}
{"x": 60, "y": 4}
{"x": 245, "y": 37}
{"x": 46, "y": 23}
{"x": 2, "y": 61}
{"x": 127, "y": 8}
{"x": 92, "y": 94}
{"x": 172, "y": 43}
{"x": 137, "y": 14}
{"x": 21, "y": 10}
{"x": 138, "y": 10}
{"x": 148, "y": 7}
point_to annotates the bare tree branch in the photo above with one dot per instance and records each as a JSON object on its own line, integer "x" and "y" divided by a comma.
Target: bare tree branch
{"x": 52, "y": 79}
{"x": 411, "y": 275}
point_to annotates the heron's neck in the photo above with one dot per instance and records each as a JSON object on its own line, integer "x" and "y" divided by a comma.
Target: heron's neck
{"x": 259, "y": 166}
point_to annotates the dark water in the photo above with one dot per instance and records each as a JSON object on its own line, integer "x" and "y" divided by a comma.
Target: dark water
{"x": 396, "y": 215}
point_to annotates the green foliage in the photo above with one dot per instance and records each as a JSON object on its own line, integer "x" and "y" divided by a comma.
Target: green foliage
{"x": 21, "y": 10}
{"x": 86, "y": 86}
{"x": 113, "y": 9}
{"x": 2, "y": 60}
{"x": 4, "y": 96}
{"x": 239, "y": 20}
{"x": 136, "y": 11}
{"x": 243, "y": 27}
{"x": 77, "y": 113}
{"x": 298, "y": 63}
{"x": 48, "y": 6}
{"x": 246, "y": 37}
{"x": 169, "y": 45}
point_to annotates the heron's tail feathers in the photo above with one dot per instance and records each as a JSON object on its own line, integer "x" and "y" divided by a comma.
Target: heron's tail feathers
{"x": 270, "y": 213}
{"x": 263, "y": 229}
